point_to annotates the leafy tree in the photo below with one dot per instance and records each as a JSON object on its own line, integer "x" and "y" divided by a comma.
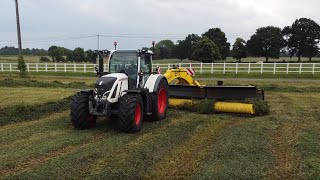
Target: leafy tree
{"x": 164, "y": 49}
{"x": 206, "y": 51}
{"x": 266, "y": 42}
{"x": 69, "y": 55}
{"x": 79, "y": 54}
{"x": 15, "y": 51}
{"x": 22, "y": 67}
{"x": 302, "y": 38}
{"x": 56, "y": 53}
{"x": 183, "y": 49}
{"x": 91, "y": 56}
{"x": 44, "y": 59}
{"x": 9, "y": 51}
{"x": 219, "y": 38}
{"x": 239, "y": 49}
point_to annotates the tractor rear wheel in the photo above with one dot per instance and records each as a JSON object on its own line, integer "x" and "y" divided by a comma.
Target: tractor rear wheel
{"x": 160, "y": 102}
{"x": 80, "y": 116}
{"x": 130, "y": 113}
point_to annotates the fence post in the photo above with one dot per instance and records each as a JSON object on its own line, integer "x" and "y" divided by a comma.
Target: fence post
{"x": 179, "y": 65}
{"x": 55, "y": 67}
{"x": 94, "y": 68}
{"x": 28, "y": 67}
{"x": 262, "y": 68}
{"x": 201, "y": 68}
{"x": 224, "y": 67}
{"x": 288, "y": 68}
{"x": 46, "y": 67}
{"x": 10, "y": 67}
{"x": 313, "y": 68}
{"x": 236, "y": 67}
{"x": 249, "y": 68}
{"x": 37, "y": 67}
{"x": 84, "y": 67}
{"x": 300, "y": 70}
{"x": 1, "y": 67}
{"x": 274, "y": 67}
{"x": 212, "y": 68}
{"x": 74, "y": 67}
{"x": 65, "y": 67}
{"x": 190, "y": 65}
{"x": 168, "y": 66}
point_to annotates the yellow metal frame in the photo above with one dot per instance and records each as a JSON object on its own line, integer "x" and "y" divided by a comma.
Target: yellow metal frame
{"x": 180, "y": 76}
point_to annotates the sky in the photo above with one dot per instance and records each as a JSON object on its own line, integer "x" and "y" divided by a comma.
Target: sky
{"x": 136, "y": 23}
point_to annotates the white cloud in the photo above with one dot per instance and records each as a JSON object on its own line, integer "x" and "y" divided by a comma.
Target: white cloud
{"x": 68, "y": 17}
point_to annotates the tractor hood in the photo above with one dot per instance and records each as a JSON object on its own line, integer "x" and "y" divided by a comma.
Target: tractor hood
{"x": 104, "y": 84}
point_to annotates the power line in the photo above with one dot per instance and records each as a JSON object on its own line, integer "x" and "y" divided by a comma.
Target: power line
{"x": 53, "y": 40}
{"x": 115, "y": 35}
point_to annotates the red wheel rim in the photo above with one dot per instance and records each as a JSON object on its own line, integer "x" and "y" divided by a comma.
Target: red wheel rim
{"x": 162, "y": 101}
{"x": 137, "y": 116}
{"x": 90, "y": 118}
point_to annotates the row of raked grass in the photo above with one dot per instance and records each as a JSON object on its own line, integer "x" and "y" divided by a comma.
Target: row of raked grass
{"x": 282, "y": 145}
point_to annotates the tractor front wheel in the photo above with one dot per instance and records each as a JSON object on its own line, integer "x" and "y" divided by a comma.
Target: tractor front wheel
{"x": 130, "y": 113}
{"x": 160, "y": 102}
{"x": 80, "y": 116}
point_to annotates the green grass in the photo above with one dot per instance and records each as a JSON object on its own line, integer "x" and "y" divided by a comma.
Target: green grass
{"x": 35, "y": 59}
{"x": 259, "y": 76}
{"x": 23, "y": 112}
{"x": 70, "y": 76}
{"x": 31, "y": 96}
{"x": 281, "y": 145}
{"x": 249, "y": 59}
{"x": 44, "y": 84}
{"x": 27, "y": 58}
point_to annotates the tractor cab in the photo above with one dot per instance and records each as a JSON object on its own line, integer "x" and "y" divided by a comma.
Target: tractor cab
{"x": 135, "y": 64}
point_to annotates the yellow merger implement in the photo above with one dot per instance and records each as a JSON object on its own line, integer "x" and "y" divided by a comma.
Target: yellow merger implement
{"x": 183, "y": 89}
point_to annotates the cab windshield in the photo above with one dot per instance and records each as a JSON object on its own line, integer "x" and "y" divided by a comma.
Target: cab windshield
{"x": 125, "y": 62}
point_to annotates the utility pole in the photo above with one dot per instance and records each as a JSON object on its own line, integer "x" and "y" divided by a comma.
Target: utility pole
{"x": 98, "y": 43}
{"x": 18, "y": 28}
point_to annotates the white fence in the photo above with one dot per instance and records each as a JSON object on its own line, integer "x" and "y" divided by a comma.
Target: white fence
{"x": 262, "y": 68}
{"x": 236, "y": 68}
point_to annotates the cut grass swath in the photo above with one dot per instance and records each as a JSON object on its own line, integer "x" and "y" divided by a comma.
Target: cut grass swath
{"x": 19, "y": 113}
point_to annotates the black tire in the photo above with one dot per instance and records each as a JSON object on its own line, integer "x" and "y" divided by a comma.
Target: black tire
{"x": 160, "y": 102}
{"x": 80, "y": 116}
{"x": 130, "y": 114}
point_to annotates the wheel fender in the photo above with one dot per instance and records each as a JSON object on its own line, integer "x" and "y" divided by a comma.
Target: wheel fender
{"x": 153, "y": 82}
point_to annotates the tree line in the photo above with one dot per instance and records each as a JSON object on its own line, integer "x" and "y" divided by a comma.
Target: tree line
{"x": 56, "y": 53}
{"x": 15, "y": 51}
{"x": 301, "y": 39}
{"x": 61, "y": 54}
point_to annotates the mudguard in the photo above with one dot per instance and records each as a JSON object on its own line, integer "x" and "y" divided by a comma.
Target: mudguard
{"x": 153, "y": 82}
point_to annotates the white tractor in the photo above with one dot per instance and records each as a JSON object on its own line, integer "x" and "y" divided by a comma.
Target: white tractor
{"x": 129, "y": 93}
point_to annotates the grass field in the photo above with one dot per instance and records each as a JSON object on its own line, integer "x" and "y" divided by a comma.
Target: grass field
{"x": 282, "y": 145}
{"x": 35, "y": 59}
